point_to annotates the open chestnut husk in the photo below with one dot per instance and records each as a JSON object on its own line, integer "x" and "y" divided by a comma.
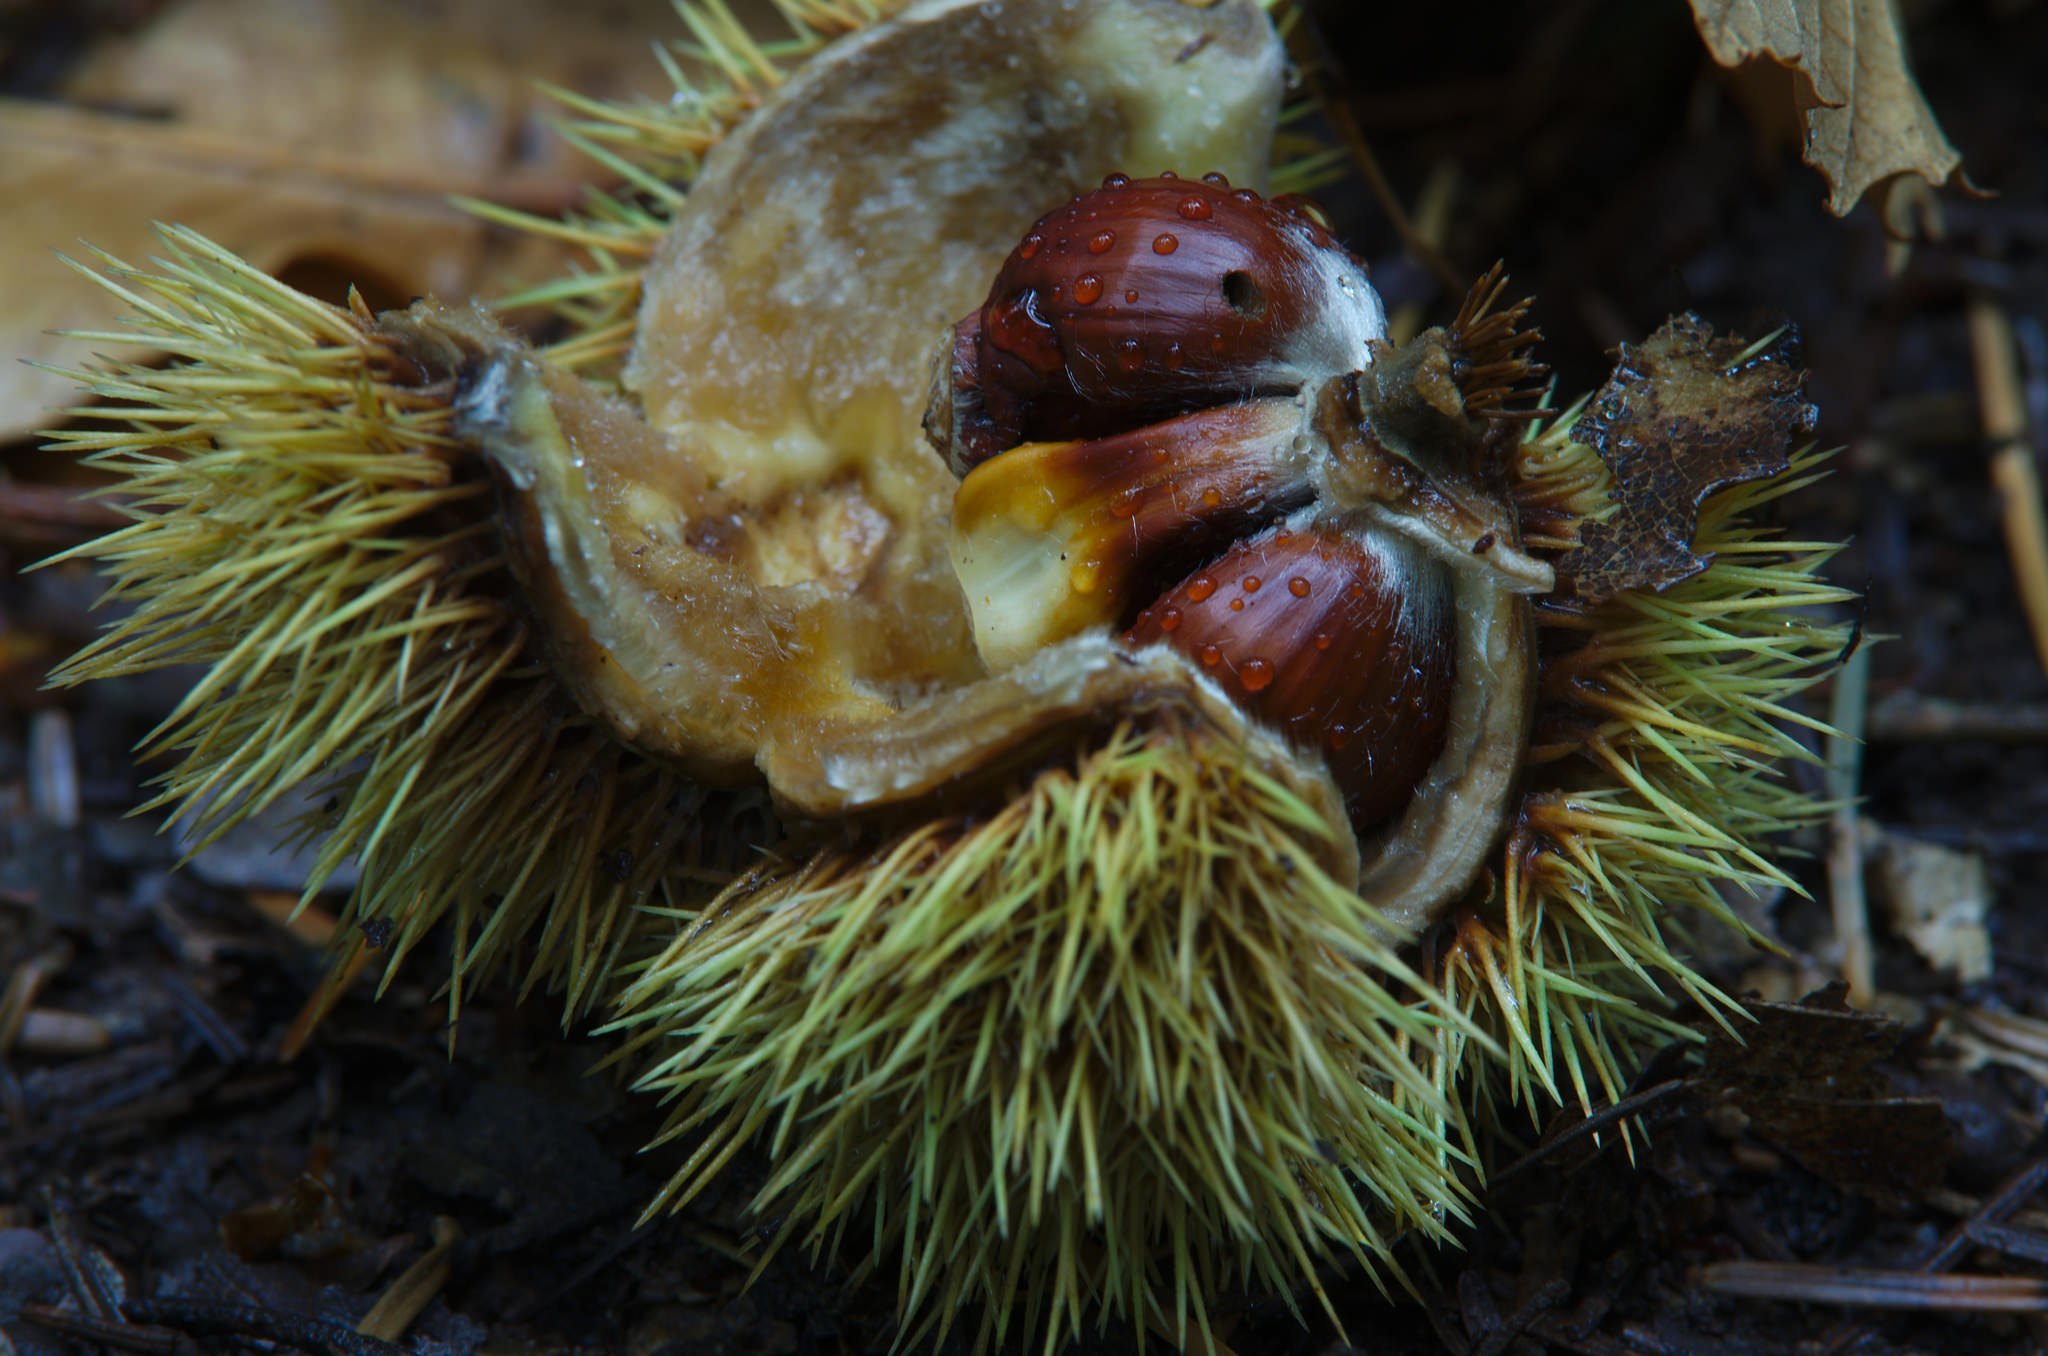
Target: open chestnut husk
{"x": 900, "y": 821}
{"x": 1178, "y": 417}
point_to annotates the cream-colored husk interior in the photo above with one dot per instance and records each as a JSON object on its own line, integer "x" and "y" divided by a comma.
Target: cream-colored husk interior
{"x": 748, "y": 572}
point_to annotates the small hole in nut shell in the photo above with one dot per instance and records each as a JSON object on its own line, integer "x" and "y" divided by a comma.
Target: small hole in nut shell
{"x": 1242, "y": 294}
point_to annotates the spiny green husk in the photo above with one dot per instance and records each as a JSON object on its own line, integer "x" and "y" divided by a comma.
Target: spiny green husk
{"x": 1123, "y": 1036}
{"x": 308, "y": 530}
{"x": 1670, "y": 793}
{"x": 882, "y": 1018}
{"x": 1118, "y": 1044}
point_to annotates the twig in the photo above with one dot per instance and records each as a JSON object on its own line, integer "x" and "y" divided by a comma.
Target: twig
{"x": 1845, "y": 841}
{"x": 53, "y": 515}
{"x": 311, "y": 924}
{"x": 103, "y": 1332}
{"x": 81, "y": 1277}
{"x": 2004, "y": 407}
{"x": 204, "y": 1318}
{"x": 49, "y": 1031}
{"x": 399, "y": 1305}
{"x": 206, "y": 1022}
{"x": 1311, "y": 55}
{"x": 1592, "y": 1125}
{"x": 1905, "y": 718}
{"x": 1873, "y": 1287}
{"x": 2010, "y": 1196}
{"x": 2024, "y": 1243}
{"x": 1432, "y": 222}
{"x": 323, "y": 999}
{"x": 23, "y": 985}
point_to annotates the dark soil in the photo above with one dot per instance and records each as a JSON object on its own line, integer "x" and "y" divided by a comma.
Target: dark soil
{"x": 1601, "y": 157}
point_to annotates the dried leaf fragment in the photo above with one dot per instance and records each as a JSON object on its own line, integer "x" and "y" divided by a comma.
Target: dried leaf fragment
{"x": 1684, "y": 415}
{"x": 1865, "y": 118}
{"x": 324, "y": 133}
{"x": 1937, "y": 898}
{"x": 1806, "y": 1077}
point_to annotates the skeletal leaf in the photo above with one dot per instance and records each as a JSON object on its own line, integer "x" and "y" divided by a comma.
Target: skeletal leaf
{"x": 1684, "y": 415}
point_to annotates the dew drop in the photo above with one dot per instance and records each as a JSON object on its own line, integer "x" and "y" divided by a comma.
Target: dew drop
{"x": 1101, "y": 241}
{"x": 1169, "y": 620}
{"x": 1159, "y": 455}
{"x": 1212, "y": 497}
{"x": 1211, "y": 656}
{"x": 1245, "y": 195}
{"x": 1173, "y": 356}
{"x": 1200, "y": 587}
{"x": 1217, "y": 178}
{"x": 1337, "y": 737}
{"x": 1255, "y": 674}
{"x": 1130, "y": 355}
{"x": 1087, "y": 288}
{"x": 1322, "y": 640}
{"x": 1298, "y": 587}
{"x": 1032, "y": 244}
{"x": 1168, "y": 174}
{"x": 1116, "y": 181}
{"x": 1130, "y": 294}
{"x": 1195, "y": 209}
{"x": 1356, "y": 591}
{"x": 1251, "y": 583}
{"x": 1237, "y": 604}
{"x": 1086, "y": 576}
{"x": 1163, "y": 244}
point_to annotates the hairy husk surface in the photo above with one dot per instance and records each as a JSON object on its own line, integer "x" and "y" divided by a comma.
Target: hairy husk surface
{"x": 1122, "y": 1036}
{"x": 1123, "y": 1033}
{"x": 1116, "y": 1045}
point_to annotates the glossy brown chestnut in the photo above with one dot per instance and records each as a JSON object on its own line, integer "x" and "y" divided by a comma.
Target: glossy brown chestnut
{"x": 1345, "y": 644}
{"x": 1149, "y": 298}
{"x": 1178, "y": 420}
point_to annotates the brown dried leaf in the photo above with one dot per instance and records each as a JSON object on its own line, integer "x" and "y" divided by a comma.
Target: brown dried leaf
{"x": 445, "y": 89}
{"x": 1866, "y": 120}
{"x": 1805, "y": 1076}
{"x": 1684, "y": 415}
{"x": 326, "y": 133}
